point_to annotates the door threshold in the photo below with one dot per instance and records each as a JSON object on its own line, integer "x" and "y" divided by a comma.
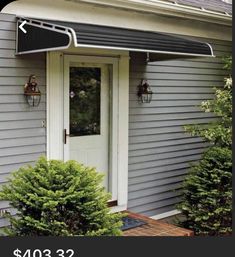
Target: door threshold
{"x": 112, "y": 203}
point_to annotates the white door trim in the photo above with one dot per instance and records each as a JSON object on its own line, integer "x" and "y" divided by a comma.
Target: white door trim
{"x": 119, "y": 117}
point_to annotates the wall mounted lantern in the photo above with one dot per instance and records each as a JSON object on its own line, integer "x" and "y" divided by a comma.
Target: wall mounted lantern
{"x": 144, "y": 92}
{"x": 32, "y": 92}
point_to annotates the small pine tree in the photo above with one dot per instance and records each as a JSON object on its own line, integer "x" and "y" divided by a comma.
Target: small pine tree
{"x": 207, "y": 190}
{"x": 207, "y": 195}
{"x": 59, "y": 199}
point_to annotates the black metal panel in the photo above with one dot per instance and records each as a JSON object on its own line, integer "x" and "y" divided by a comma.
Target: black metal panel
{"x": 106, "y": 36}
{"x": 40, "y": 39}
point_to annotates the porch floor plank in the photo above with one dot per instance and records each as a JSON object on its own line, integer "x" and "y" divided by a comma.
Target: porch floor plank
{"x": 155, "y": 228}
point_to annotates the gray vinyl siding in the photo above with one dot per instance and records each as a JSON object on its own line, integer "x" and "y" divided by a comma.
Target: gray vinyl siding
{"x": 160, "y": 152}
{"x": 22, "y": 137}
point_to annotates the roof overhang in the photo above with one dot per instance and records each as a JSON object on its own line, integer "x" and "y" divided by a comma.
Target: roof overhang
{"x": 169, "y": 8}
{"x": 41, "y": 36}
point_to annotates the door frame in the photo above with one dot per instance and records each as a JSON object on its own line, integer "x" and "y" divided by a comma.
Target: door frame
{"x": 119, "y": 114}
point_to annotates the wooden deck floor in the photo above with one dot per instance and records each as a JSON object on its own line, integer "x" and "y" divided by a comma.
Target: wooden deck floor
{"x": 155, "y": 228}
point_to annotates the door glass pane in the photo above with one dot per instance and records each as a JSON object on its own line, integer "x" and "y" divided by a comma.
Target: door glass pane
{"x": 84, "y": 96}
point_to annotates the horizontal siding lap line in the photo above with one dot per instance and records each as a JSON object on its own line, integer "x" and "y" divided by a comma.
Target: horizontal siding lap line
{"x": 174, "y": 83}
{"x": 166, "y": 155}
{"x": 152, "y": 146}
{"x": 20, "y": 127}
{"x": 159, "y": 189}
{"x": 162, "y": 159}
{"x": 174, "y": 144}
{"x": 154, "y": 190}
{"x": 177, "y": 129}
{"x": 195, "y": 139}
{"x": 177, "y": 72}
{"x": 156, "y": 182}
{"x": 181, "y": 130}
{"x": 136, "y": 112}
{"x": 170, "y": 126}
{"x": 133, "y": 178}
{"x": 166, "y": 139}
{"x": 164, "y": 107}
{"x": 165, "y": 166}
{"x": 152, "y": 210}
{"x": 22, "y": 121}
{"x": 211, "y": 80}
{"x": 131, "y": 205}
{"x": 20, "y": 77}
{"x": 25, "y": 137}
{"x": 8, "y": 18}
{"x": 195, "y": 65}
{"x": 29, "y": 157}
{"x": 163, "y": 169}
{"x": 176, "y": 93}
{"x": 178, "y": 64}
{"x": 159, "y": 204}
{"x": 173, "y": 86}
{"x": 15, "y": 167}
{"x": 164, "y": 152}
{"x": 182, "y": 175}
{"x": 164, "y": 162}
{"x": 31, "y": 135}
{"x": 184, "y": 61}
{"x": 26, "y": 147}
{"x": 180, "y": 119}
{"x": 7, "y": 40}
{"x": 171, "y": 100}
{"x": 170, "y": 69}
{"x": 19, "y": 141}
{"x": 158, "y": 210}
{"x": 167, "y": 149}
{"x": 25, "y": 152}
{"x": 153, "y": 169}
{"x": 167, "y": 113}
{"x": 186, "y": 118}
{"x": 182, "y": 97}
{"x": 180, "y": 79}
{"x": 163, "y": 136}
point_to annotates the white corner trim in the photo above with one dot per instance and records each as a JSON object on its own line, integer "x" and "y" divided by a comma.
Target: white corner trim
{"x": 165, "y": 215}
{"x": 123, "y": 129}
{"x": 55, "y": 105}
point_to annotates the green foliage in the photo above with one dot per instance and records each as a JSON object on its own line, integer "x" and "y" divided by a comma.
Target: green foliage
{"x": 59, "y": 199}
{"x": 207, "y": 190}
{"x": 207, "y": 195}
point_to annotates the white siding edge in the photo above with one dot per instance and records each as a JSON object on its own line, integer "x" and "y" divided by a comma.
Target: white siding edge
{"x": 165, "y": 215}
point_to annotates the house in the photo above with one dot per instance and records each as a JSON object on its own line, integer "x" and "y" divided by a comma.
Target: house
{"x": 90, "y": 59}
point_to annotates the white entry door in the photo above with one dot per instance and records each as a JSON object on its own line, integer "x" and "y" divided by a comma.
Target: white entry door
{"x": 87, "y": 115}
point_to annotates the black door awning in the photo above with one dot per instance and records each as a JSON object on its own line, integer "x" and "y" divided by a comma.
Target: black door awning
{"x": 41, "y": 35}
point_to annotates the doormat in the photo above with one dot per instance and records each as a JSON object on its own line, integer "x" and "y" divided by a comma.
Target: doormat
{"x": 129, "y": 223}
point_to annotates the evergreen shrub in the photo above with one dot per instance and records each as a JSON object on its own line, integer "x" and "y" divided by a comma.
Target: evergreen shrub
{"x": 56, "y": 198}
